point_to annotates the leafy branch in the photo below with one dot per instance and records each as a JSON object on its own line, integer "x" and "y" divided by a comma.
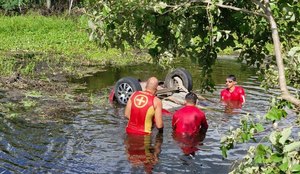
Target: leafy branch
{"x": 278, "y": 152}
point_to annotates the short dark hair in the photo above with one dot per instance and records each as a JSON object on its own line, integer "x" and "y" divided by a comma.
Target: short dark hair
{"x": 232, "y": 77}
{"x": 191, "y": 98}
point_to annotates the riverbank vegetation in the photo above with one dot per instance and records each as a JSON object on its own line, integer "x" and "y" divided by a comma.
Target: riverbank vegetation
{"x": 28, "y": 41}
{"x": 37, "y": 56}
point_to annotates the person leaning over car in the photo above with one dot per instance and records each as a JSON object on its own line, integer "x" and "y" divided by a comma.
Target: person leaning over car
{"x": 142, "y": 107}
{"x": 189, "y": 119}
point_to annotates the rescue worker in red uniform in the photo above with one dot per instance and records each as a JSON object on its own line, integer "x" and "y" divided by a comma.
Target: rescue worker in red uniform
{"x": 233, "y": 96}
{"x": 233, "y": 92}
{"x": 189, "y": 119}
{"x": 143, "y": 108}
{"x": 189, "y": 125}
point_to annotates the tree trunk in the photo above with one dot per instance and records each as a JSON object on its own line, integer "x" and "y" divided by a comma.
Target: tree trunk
{"x": 285, "y": 94}
{"x": 48, "y": 4}
{"x": 70, "y": 6}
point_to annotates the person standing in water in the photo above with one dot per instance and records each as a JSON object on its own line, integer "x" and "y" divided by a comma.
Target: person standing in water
{"x": 189, "y": 125}
{"x": 189, "y": 119}
{"x": 232, "y": 91}
{"x": 143, "y": 109}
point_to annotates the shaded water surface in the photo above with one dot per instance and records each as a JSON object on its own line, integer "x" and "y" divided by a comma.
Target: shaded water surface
{"x": 95, "y": 142}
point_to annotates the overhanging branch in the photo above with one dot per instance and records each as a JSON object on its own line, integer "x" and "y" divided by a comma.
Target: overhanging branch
{"x": 231, "y": 8}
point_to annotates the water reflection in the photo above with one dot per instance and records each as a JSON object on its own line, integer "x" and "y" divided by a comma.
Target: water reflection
{"x": 141, "y": 152}
{"x": 189, "y": 143}
{"x": 232, "y": 107}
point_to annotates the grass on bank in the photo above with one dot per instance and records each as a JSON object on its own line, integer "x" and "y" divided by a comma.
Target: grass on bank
{"x": 52, "y": 37}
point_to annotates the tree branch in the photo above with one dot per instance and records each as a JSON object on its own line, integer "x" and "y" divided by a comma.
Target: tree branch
{"x": 277, "y": 48}
{"x": 292, "y": 99}
{"x": 231, "y": 8}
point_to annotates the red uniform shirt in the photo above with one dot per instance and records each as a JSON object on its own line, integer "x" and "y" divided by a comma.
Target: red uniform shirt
{"x": 238, "y": 94}
{"x": 189, "y": 119}
{"x": 142, "y": 113}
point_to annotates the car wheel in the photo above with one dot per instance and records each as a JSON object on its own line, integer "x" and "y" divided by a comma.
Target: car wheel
{"x": 182, "y": 74}
{"x": 125, "y": 87}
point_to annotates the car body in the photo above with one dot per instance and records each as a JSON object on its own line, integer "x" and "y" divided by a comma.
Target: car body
{"x": 171, "y": 91}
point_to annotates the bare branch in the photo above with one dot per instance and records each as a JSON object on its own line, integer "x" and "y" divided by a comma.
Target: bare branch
{"x": 232, "y": 8}
{"x": 210, "y": 23}
{"x": 292, "y": 99}
{"x": 240, "y": 9}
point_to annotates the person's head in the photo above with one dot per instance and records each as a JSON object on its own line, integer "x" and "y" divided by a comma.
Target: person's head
{"x": 230, "y": 81}
{"x": 191, "y": 98}
{"x": 152, "y": 84}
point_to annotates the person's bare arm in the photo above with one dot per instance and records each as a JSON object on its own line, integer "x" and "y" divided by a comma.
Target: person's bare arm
{"x": 128, "y": 109}
{"x": 157, "y": 147}
{"x": 242, "y": 95}
{"x": 158, "y": 114}
{"x": 243, "y": 99}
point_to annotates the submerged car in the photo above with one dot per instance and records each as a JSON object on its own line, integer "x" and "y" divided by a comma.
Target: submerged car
{"x": 172, "y": 90}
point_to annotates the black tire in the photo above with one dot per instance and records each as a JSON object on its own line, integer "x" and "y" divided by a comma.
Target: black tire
{"x": 183, "y": 74}
{"x": 124, "y": 89}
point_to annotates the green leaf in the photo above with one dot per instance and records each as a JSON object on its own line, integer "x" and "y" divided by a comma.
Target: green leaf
{"x": 273, "y": 137}
{"x": 219, "y": 35}
{"x": 296, "y": 168}
{"x": 260, "y": 154}
{"x": 291, "y": 146}
{"x": 293, "y": 51}
{"x": 223, "y": 139}
{"x": 260, "y": 150}
{"x": 258, "y": 159}
{"x": 285, "y": 134}
{"x": 92, "y": 25}
{"x": 276, "y": 158}
{"x": 259, "y": 127}
{"x": 283, "y": 166}
{"x": 224, "y": 151}
{"x": 106, "y": 10}
{"x": 177, "y": 34}
{"x": 275, "y": 114}
{"x": 162, "y": 5}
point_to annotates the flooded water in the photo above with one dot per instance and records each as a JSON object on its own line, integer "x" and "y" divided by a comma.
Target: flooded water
{"x": 95, "y": 140}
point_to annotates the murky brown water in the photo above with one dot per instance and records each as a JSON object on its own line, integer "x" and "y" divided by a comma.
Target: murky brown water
{"x": 95, "y": 141}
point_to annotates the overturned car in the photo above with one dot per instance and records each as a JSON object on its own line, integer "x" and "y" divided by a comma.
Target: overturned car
{"x": 171, "y": 91}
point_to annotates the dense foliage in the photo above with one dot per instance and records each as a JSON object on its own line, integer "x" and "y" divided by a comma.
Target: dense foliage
{"x": 199, "y": 30}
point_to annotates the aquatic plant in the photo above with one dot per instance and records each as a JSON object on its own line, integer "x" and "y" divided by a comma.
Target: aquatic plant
{"x": 27, "y": 103}
{"x": 34, "y": 94}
